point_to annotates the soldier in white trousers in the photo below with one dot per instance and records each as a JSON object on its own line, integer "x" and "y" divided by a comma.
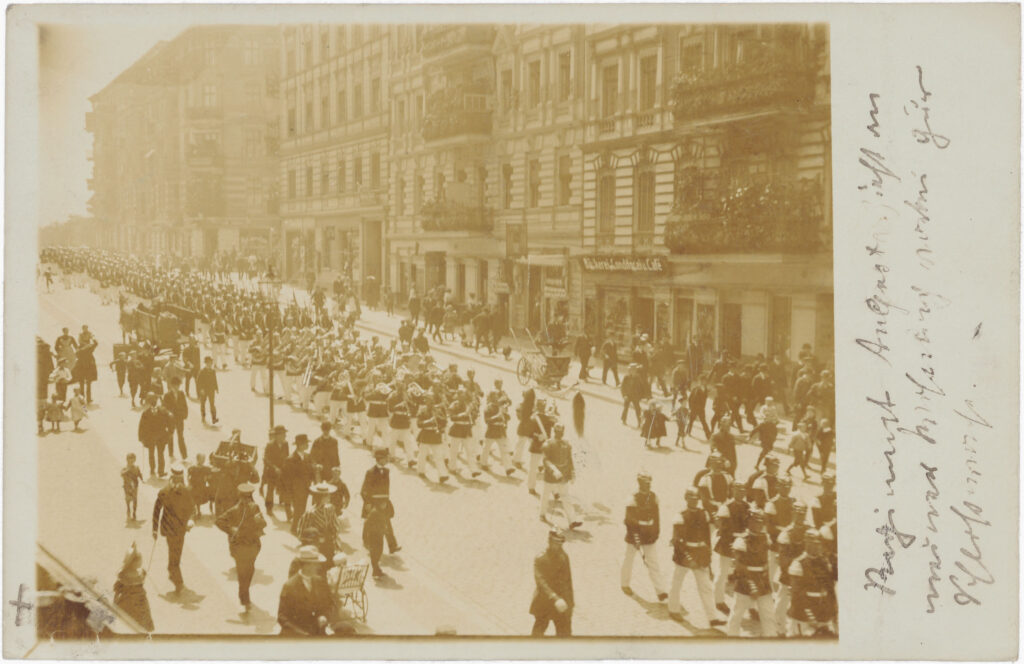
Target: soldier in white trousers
{"x": 643, "y": 525}
{"x": 691, "y": 552}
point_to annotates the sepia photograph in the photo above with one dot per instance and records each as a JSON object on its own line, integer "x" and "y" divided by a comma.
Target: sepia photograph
{"x": 470, "y": 329}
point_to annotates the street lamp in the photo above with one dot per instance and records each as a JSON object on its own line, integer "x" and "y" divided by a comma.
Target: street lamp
{"x": 271, "y": 289}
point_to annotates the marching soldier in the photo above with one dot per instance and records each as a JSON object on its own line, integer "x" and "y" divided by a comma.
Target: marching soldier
{"x": 691, "y": 550}
{"x": 763, "y": 486}
{"x": 788, "y": 547}
{"x": 731, "y": 520}
{"x": 258, "y": 366}
{"x": 244, "y": 525}
{"x": 558, "y": 473}
{"x": 778, "y": 514}
{"x": 813, "y": 607}
{"x": 715, "y": 485}
{"x": 823, "y": 509}
{"x": 753, "y": 587}
{"x": 376, "y": 415}
{"x": 400, "y": 422}
{"x": 172, "y": 518}
{"x": 496, "y": 419}
{"x": 643, "y": 525}
{"x": 429, "y": 440}
{"x": 461, "y": 435}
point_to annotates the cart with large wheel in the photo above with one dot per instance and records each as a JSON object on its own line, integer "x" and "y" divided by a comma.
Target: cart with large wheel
{"x": 348, "y": 584}
{"x": 541, "y": 364}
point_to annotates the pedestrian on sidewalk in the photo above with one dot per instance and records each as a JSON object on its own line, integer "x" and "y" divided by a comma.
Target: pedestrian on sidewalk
{"x": 206, "y": 387}
{"x": 609, "y": 361}
{"x": 642, "y": 529}
{"x": 244, "y": 525}
{"x": 633, "y": 390}
{"x": 131, "y": 477}
{"x": 553, "y": 596}
{"x": 172, "y": 518}
{"x": 297, "y": 477}
{"x": 176, "y": 403}
{"x": 584, "y": 347}
{"x": 800, "y": 448}
{"x": 76, "y": 407}
{"x": 154, "y": 431}
{"x": 377, "y": 486}
{"x": 120, "y": 368}
{"x": 275, "y": 457}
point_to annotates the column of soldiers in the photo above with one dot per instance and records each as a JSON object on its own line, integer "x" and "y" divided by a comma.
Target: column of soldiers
{"x": 402, "y": 405}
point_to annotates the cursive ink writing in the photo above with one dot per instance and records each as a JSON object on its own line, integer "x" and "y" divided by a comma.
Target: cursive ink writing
{"x": 925, "y": 135}
{"x": 972, "y": 563}
{"x": 877, "y": 577}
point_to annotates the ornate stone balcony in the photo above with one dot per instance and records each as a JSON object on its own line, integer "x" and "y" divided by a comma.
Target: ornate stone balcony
{"x": 781, "y": 216}
{"x": 457, "y": 111}
{"x": 769, "y": 79}
{"x": 443, "y": 40}
{"x": 452, "y": 216}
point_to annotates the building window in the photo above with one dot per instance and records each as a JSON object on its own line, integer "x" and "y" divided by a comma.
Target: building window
{"x": 691, "y": 58}
{"x": 400, "y": 196}
{"x": 210, "y": 54}
{"x": 606, "y": 204}
{"x": 341, "y": 175}
{"x": 506, "y": 90}
{"x": 210, "y": 96}
{"x": 375, "y": 175}
{"x": 255, "y": 193}
{"x": 643, "y": 197}
{"x": 375, "y": 95}
{"x": 533, "y": 83}
{"x": 534, "y": 183}
{"x": 291, "y": 121}
{"x": 291, "y": 184}
{"x": 609, "y": 90}
{"x": 342, "y": 104}
{"x": 309, "y": 112}
{"x": 564, "y": 179}
{"x": 309, "y": 180}
{"x": 506, "y": 185}
{"x": 417, "y": 193}
{"x": 564, "y": 76}
{"x": 357, "y": 172}
{"x": 253, "y": 143}
{"x": 357, "y": 100}
{"x": 648, "y": 81}
{"x": 325, "y": 180}
{"x": 251, "y": 52}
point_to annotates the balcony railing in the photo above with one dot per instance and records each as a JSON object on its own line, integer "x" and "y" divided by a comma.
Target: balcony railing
{"x": 643, "y": 241}
{"x": 606, "y": 126}
{"x": 768, "y": 80}
{"x": 457, "y": 111}
{"x": 784, "y": 215}
{"x": 645, "y": 119}
{"x": 451, "y": 216}
{"x": 605, "y": 239}
{"x": 436, "y": 40}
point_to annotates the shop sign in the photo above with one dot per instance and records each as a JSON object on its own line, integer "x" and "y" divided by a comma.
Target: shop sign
{"x": 633, "y": 264}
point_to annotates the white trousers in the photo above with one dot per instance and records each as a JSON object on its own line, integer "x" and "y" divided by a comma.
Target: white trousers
{"x": 485, "y": 454}
{"x": 765, "y": 611}
{"x": 220, "y": 354}
{"x": 242, "y": 350}
{"x": 650, "y": 558}
{"x": 522, "y": 444}
{"x": 258, "y": 372}
{"x": 725, "y": 565}
{"x": 467, "y": 447}
{"x": 553, "y": 490}
{"x": 433, "y": 454}
{"x": 404, "y": 438}
{"x": 375, "y": 426}
{"x": 531, "y": 473}
{"x": 782, "y": 608}
{"x": 703, "y": 578}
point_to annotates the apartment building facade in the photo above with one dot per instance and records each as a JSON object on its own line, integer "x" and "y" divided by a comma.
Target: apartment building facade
{"x": 183, "y": 158}
{"x": 333, "y": 127}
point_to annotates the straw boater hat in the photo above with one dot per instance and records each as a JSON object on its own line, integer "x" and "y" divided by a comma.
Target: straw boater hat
{"x": 246, "y": 487}
{"x": 309, "y": 554}
{"x": 323, "y": 488}
{"x": 177, "y": 469}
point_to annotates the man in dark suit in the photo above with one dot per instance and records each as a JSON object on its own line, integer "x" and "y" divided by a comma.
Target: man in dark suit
{"x": 275, "y": 458}
{"x": 206, "y": 387}
{"x": 305, "y": 605}
{"x": 583, "y": 349}
{"x": 377, "y": 485}
{"x": 633, "y": 390}
{"x": 325, "y": 449}
{"x": 190, "y": 356}
{"x": 176, "y": 404}
{"x": 697, "y": 402}
{"x": 610, "y": 361}
{"x": 244, "y": 525}
{"x": 172, "y": 517}
{"x": 553, "y": 597}
{"x": 298, "y": 476}
{"x": 154, "y": 431}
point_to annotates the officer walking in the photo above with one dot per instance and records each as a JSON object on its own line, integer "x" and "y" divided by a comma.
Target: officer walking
{"x": 553, "y": 597}
{"x": 691, "y": 551}
{"x": 558, "y": 472}
{"x": 172, "y": 518}
{"x": 643, "y": 526}
{"x": 244, "y": 525}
